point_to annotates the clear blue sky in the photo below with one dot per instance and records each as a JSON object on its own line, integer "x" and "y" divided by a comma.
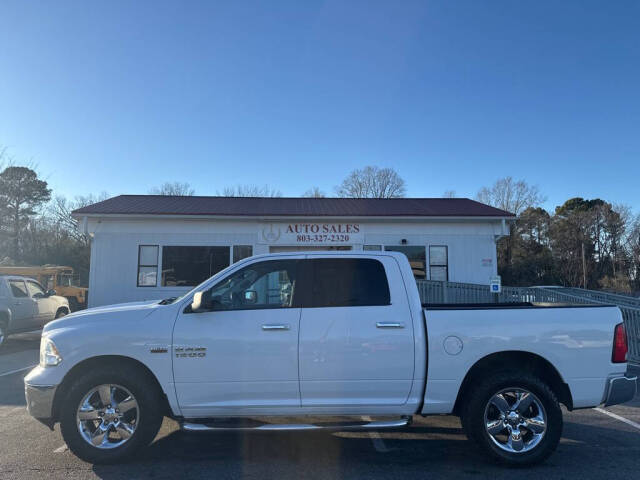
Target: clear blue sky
{"x": 122, "y": 96}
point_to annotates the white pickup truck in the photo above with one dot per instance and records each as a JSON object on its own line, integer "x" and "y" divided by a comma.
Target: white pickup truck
{"x": 318, "y": 336}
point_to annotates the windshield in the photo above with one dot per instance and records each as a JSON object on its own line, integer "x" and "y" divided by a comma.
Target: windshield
{"x": 68, "y": 280}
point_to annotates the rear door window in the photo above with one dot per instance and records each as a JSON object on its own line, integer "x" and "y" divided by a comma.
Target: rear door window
{"x": 345, "y": 282}
{"x": 18, "y": 288}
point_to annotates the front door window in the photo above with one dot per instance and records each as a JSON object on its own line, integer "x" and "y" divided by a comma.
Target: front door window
{"x": 260, "y": 285}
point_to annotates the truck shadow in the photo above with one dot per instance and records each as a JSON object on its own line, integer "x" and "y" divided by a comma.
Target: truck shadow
{"x": 441, "y": 451}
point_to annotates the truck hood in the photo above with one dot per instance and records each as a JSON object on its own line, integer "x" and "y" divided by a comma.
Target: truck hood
{"x": 122, "y": 311}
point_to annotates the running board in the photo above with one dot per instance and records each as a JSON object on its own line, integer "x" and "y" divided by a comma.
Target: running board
{"x": 372, "y": 425}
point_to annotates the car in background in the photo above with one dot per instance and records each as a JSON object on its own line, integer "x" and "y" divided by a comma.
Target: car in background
{"x": 60, "y": 278}
{"x": 26, "y": 306}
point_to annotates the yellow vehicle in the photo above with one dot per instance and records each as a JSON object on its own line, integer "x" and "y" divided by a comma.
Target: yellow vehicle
{"x": 55, "y": 277}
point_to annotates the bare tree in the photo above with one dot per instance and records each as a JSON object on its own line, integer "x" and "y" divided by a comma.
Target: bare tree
{"x": 250, "y": 191}
{"x": 60, "y": 208}
{"x": 174, "y": 189}
{"x": 515, "y": 197}
{"x": 511, "y": 195}
{"x": 449, "y": 194}
{"x": 633, "y": 246}
{"x": 372, "y": 182}
{"x": 314, "y": 192}
{"x": 4, "y": 158}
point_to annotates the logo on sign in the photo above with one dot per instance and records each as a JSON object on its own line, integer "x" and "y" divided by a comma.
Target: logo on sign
{"x": 270, "y": 234}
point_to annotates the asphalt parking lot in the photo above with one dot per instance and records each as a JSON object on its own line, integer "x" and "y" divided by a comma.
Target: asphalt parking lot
{"x": 594, "y": 445}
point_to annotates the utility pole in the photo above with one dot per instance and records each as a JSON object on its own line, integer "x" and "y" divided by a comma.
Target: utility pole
{"x": 584, "y": 268}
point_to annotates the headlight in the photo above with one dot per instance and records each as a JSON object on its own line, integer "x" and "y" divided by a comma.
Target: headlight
{"x": 49, "y": 355}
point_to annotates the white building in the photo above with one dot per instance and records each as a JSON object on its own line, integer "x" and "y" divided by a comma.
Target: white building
{"x": 147, "y": 246}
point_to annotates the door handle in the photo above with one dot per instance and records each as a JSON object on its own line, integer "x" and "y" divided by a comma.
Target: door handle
{"x": 276, "y": 327}
{"x": 389, "y": 325}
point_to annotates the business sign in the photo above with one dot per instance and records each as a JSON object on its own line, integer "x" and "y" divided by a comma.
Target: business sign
{"x": 310, "y": 233}
{"x": 495, "y": 284}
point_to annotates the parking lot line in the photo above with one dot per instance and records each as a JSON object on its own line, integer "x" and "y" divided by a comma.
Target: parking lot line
{"x": 376, "y": 439}
{"x": 618, "y": 417}
{"x": 11, "y": 372}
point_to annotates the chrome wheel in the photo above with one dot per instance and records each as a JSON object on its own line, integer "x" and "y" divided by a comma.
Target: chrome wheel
{"x": 2, "y": 336}
{"x": 107, "y": 416}
{"x": 515, "y": 420}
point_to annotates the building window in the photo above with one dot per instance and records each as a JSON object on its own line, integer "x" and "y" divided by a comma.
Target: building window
{"x": 241, "y": 251}
{"x": 438, "y": 263}
{"x": 372, "y": 248}
{"x": 190, "y": 266}
{"x": 147, "y": 265}
{"x": 417, "y": 258}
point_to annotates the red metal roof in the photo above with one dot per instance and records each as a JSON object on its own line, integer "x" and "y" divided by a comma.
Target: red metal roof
{"x": 291, "y": 207}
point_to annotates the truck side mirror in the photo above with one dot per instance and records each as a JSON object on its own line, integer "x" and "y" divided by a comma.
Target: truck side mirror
{"x": 201, "y": 301}
{"x": 51, "y": 293}
{"x": 196, "y": 302}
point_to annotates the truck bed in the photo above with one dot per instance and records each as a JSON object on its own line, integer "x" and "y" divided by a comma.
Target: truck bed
{"x": 575, "y": 339}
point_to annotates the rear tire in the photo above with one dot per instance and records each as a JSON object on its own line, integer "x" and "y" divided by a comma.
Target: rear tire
{"x": 61, "y": 313}
{"x": 115, "y": 446}
{"x": 514, "y": 417}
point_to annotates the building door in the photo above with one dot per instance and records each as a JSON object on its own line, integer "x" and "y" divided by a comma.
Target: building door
{"x": 356, "y": 336}
{"x": 240, "y": 355}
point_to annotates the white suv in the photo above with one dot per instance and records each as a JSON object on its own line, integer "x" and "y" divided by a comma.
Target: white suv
{"x": 25, "y": 305}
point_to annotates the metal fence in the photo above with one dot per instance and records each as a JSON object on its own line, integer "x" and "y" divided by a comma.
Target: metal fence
{"x": 602, "y": 297}
{"x": 432, "y": 291}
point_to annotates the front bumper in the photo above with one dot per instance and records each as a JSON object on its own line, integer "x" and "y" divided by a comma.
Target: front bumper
{"x": 622, "y": 389}
{"x": 40, "y": 401}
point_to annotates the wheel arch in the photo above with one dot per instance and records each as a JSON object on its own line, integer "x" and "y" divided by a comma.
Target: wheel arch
{"x": 95, "y": 363}
{"x": 516, "y": 360}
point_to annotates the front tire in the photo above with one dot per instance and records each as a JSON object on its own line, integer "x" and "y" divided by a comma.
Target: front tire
{"x": 514, "y": 417}
{"x": 109, "y": 414}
